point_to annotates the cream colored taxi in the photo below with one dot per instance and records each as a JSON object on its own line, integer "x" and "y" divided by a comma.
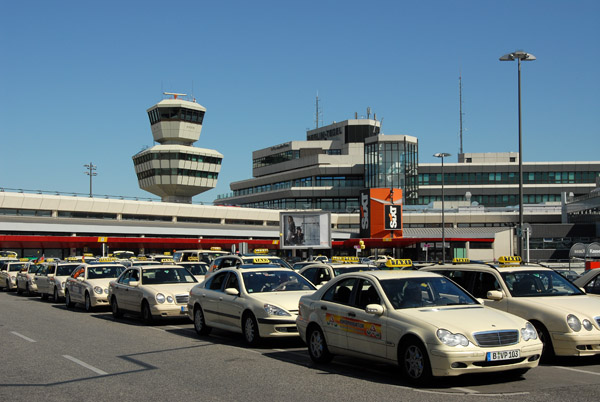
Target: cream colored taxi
{"x": 259, "y": 301}
{"x": 25, "y": 282}
{"x": 152, "y": 291}
{"x": 9, "y": 271}
{"x": 567, "y": 320}
{"x": 88, "y": 284}
{"x": 52, "y": 277}
{"x": 419, "y": 320}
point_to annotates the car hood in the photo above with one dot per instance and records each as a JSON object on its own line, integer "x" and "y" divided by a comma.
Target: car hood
{"x": 581, "y": 305}
{"x": 287, "y": 300}
{"x": 172, "y": 288}
{"x": 102, "y": 282}
{"x": 464, "y": 319}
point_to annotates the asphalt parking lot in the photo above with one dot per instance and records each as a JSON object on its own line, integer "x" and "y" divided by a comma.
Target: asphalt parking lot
{"x": 51, "y": 353}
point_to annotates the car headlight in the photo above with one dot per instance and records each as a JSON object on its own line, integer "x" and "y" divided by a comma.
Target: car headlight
{"x": 106, "y": 291}
{"x": 98, "y": 289}
{"x": 160, "y": 298}
{"x": 450, "y": 339}
{"x": 274, "y": 310}
{"x": 528, "y": 332}
{"x": 587, "y": 325}
{"x": 574, "y": 323}
{"x": 170, "y": 299}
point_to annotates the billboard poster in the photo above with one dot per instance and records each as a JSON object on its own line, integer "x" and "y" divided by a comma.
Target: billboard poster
{"x": 381, "y": 213}
{"x": 305, "y": 230}
{"x": 365, "y": 216}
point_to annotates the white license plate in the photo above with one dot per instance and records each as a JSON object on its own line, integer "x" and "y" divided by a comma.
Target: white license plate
{"x": 503, "y": 355}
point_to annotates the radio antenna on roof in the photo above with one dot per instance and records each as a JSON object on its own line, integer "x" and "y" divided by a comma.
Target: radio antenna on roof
{"x": 175, "y": 95}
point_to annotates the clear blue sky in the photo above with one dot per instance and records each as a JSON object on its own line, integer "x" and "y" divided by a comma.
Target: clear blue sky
{"x": 77, "y": 78}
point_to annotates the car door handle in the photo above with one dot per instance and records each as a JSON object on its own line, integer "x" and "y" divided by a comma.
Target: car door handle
{"x": 351, "y": 315}
{"x": 323, "y": 307}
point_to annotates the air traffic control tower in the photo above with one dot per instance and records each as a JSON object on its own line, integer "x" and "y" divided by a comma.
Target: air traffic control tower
{"x": 175, "y": 170}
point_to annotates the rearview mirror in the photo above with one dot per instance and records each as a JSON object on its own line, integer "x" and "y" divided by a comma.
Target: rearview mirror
{"x": 495, "y": 295}
{"x": 376, "y": 309}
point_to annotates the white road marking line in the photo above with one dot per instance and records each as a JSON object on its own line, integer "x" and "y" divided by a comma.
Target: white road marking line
{"x": 465, "y": 390}
{"x": 22, "y": 336}
{"x": 174, "y": 327}
{"x": 158, "y": 329}
{"x": 577, "y": 370}
{"x": 87, "y": 366}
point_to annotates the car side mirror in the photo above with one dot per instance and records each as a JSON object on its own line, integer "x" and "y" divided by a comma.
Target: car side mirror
{"x": 135, "y": 284}
{"x": 376, "y": 309}
{"x": 80, "y": 278}
{"x": 495, "y": 295}
{"x": 583, "y": 290}
{"x": 232, "y": 292}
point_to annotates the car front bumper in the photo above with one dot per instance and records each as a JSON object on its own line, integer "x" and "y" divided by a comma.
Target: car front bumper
{"x": 582, "y": 343}
{"x": 272, "y": 327}
{"x": 169, "y": 310}
{"x": 450, "y": 362}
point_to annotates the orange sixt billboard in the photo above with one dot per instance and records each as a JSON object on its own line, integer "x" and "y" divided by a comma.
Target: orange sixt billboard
{"x": 381, "y": 213}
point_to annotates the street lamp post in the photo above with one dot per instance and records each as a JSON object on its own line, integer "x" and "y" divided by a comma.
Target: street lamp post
{"x": 90, "y": 172}
{"x": 519, "y": 55}
{"x": 443, "y": 155}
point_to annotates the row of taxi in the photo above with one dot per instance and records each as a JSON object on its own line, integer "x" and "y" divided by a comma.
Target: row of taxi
{"x": 441, "y": 320}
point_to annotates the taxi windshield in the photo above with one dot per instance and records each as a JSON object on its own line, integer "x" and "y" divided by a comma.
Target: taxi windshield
{"x": 342, "y": 270}
{"x": 196, "y": 269}
{"x": 424, "y": 292}
{"x": 275, "y": 281}
{"x": 65, "y": 270}
{"x": 157, "y": 276}
{"x": 16, "y": 267}
{"x": 112, "y": 271}
{"x": 539, "y": 283}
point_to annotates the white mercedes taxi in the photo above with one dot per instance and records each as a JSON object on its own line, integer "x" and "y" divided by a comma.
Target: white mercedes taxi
{"x": 88, "y": 284}
{"x": 419, "y": 320}
{"x": 258, "y": 301}
{"x": 567, "y": 320}
{"x": 52, "y": 277}
{"x": 151, "y": 290}
{"x": 9, "y": 271}
{"x": 25, "y": 277}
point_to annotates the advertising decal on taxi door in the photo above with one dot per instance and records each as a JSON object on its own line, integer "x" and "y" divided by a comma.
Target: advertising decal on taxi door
{"x": 359, "y": 327}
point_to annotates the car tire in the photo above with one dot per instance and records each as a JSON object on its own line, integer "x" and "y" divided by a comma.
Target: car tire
{"x": 56, "y": 297}
{"x": 544, "y": 335}
{"x": 19, "y": 290}
{"x": 250, "y": 330}
{"x": 6, "y": 288}
{"x": 68, "y": 301}
{"x": 114, "y": 306}
{"x": 414, "y": 362}
{"x": 88, "y": 303}
{"x": 317, "y": 345}
{"x": 27, "y": 289}
{"x": 44, "y": 296}
{"x": 200, "y": 323}
{"x": 146, "y": 313}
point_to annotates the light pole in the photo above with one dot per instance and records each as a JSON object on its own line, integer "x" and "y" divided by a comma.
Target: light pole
{"x": 443, "y": 155}
{"x": 91, "y": 167}
{"x": 519, "y": 55}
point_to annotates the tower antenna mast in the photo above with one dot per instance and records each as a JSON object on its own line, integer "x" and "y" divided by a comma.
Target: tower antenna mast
{"x": 318, "y": 112}
{"x": 460, "y": 110}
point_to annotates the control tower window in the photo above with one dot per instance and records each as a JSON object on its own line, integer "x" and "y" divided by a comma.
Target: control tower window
{"x": 175, "y": 114}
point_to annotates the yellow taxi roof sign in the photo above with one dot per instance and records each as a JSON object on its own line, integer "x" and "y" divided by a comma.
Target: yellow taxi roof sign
{"x": 261, "y": 251}
{"x": 166, "y": 260}
{"x": 193, "y": 259}
{"x": 510, "y": 260}
{"x": 215, "y": 249}
{"x": 258, "y": 260}
{"x": 461, "y": 260}
{"x": 345, "y": 259}
{"x": 395, "y": 263}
